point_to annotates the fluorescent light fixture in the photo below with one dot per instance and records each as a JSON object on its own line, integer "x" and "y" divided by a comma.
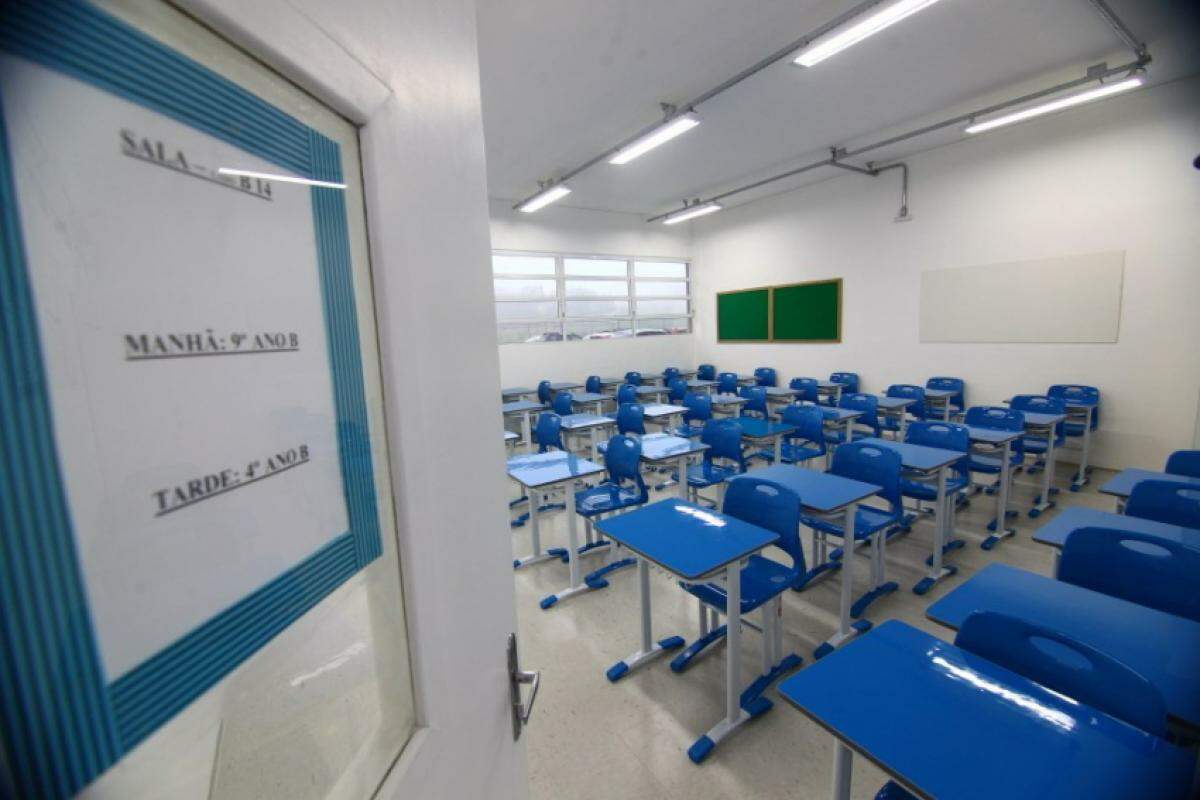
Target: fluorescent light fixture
{"x": 267, "y": 176}
{"x": 663, "y": 133}
{"x": 855, "y": 30}
{"x": 1055, "y": 105}
{"x": 545, "y": 198}
{"x": 691, "y": 212}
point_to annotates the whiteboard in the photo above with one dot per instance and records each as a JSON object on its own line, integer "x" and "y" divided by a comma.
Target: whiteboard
{"x": 1063, "y": 299}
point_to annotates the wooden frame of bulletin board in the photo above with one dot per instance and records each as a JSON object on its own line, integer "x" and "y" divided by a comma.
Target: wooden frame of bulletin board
{"x": 749, "y": 315}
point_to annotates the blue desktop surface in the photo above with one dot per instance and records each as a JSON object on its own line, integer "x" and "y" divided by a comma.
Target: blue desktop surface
{"x": 917, "y": 456}
{"x": 695, "y": 383}
{"x": 573, "y": 422}
{"x": 509, "y": 436}
{"x": 685, "y": 539}
{"x": 520, "y": 405}
{"x": 540, "y": 469}
{"x": 1123, "y": 482}
{"x": 833, "y": 414}
{"x": 661, "y": 409}
{"x": 1163, "y": 648}
{"x": 1056, "y": 531}
{"x": 588, "y": 397}
{"x": 953, "y": 725}
{"x": 660, "y": 446}
{"x": 728, "y": 399}
{"x": 755, "y": 428}
{"x": 820, "y": 491}
{"x": 892, "y": 403}
{"x": 1042, "y": 420}
{"x": 991, "y": 435}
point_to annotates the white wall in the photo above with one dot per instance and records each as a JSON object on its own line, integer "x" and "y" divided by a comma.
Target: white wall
{"x": 559, "y": 229}
{"x": 1116, "y": 175}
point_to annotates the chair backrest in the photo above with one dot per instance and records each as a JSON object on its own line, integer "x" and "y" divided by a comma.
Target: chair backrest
{"x": 1040, "y": 404}
{"x": 771, "y": 506}
{"x": 807, "y": 388}
{"x": 1065, "y": 665}
{"x": 1142, "y": 569}
{"x": 808, "y": 421}
{"x": 871, "y": 464}
{"x": 910, "y": 390}
{"x": 766, "y": 376}
{"x": 1184, "y": 462}
{"x": 756, "y": 399}
{"x": 548, "y": 432}
{"x": 699, "y": 407}
{"x": 543, "y": 392}
{"x": 866, "y": 403}
{"x": 670, "y": 374}
{"x": 626, "y": 393}
{"x": 631, "y": 418}
{"x": 562, "y": 403}
{"x": 706, "y": 372}
{"x": 846, "y": 379}
{"x": 724, "y": 440}
{"x": 593, "y": 385}
{"x": 945, "y": 435}
{"x": 677, "y": 390}
{"x": 633, "y": 377}
{"x": 998, "y": 418}
{"x": 956, "y": 385}
{"x": 1080, "y": 394}
{"x": 622, "y": 456}
{"x": 727, "y": 383}
{"x": 1164, "y": 501}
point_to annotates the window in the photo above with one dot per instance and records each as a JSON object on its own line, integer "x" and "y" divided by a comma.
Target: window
{"x": 554, "y": 298}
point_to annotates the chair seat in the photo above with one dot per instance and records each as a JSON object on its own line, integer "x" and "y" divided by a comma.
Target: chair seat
{"x": 927, "y": 490}
{"x": 1038, "y": 445}
{"x": 867, "y": 520}
{"x": 1073, "y": 428}
{"x": 762, "y": 580}
{"x": 708, "y": 474}
{"x": 792, "y": 453}
{"x": 990, "y": 464}
{"x": 606, "y": 497}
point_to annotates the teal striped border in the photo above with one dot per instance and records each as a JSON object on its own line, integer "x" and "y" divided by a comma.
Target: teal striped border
{"x": 62, "y": 723}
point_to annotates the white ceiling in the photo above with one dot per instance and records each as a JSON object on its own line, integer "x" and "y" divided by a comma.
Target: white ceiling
{"x": 563, "y": 80}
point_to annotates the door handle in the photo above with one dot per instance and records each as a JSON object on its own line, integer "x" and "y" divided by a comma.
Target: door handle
{"x": 516, "y": 678}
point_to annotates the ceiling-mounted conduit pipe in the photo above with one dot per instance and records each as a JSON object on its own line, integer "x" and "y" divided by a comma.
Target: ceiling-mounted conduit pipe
{"x": 1092, "y": 76}
{"x": 1122, "y": 31}
{"x": 873, "y": 171}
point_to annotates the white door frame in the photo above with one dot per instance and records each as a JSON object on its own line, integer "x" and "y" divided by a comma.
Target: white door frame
{"x": 426, "y": 196}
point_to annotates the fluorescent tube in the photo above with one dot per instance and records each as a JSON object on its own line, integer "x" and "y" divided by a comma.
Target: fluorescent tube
{"x": 1055, "y": 105}
{"x": 545, "y": 198}
{"x": 857, "y": 29}
{"x": 663, "y": 133}
{"x": 281, "y": 178}
{"x": 691, "y": 212}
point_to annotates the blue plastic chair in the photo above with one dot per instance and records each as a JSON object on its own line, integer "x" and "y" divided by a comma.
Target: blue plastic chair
{"x": 763, "y": 581}
{"x": 756, "y": 401}
{"x": 699, "y": 411}
{"x": 946, "y": 436}
{"x": 862, "y": 461}
{"x": 1076, "y": 393}
{"x": 916, "y": 410}
{"x": 634, "y": 378}
{"x": 1164, "y": 501}
{"x": 670, "y": 374}
{"x": 706, "y": 372}
{"x": 626, "y": 393}
{"x": 1152, "y": 572}
{"x": 808, "y": 440}
{"x": 766, "y": 376}
{"x": 1184, "y": 462}
{"x": 727, "y": 383}
{"x": 677, "y": 390}
{"x": 593, "y": 385}
{"x": 849, "y": 380}
{"x": 957, "y": 385}
{"x": 1039, "y": 404}
{"x": 807, "y": 388}
{"x": 866, "y": 403}
{"x": 631, "y": 418}
{"x": 544, "y": 393}
{"x": 562, "y": 403}
{"x": 997, "y": 418}
{"x": 548, "y": 432}
{"x": 723, "y": 458}
{"x": 624, "y": 488}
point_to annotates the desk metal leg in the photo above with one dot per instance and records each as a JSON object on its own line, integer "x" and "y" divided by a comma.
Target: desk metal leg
{"x": 526, "y": 431}
{"x": 649, "y": 649}
{"x": 535, "y": 534}
{"x": 1044, "y": 501}
{"x": 595, "y": 443}
{"x": 842, "y": 760}
{"x": 778, "y": 450}
{"x": 998, "y": 525}
{"x": 1081, "y": 477}
{"x": 937, "y": 569}
{"x": 879, "y": 585}
{"x": 577, "y": 585}
{"x": 847, "y": 630}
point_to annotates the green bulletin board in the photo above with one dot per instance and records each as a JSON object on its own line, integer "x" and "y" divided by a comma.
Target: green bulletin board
{"x": 744, "y": 316}
{"x": 807, "y": 312}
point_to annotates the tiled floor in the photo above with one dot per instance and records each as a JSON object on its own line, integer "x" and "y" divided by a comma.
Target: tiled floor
{"x": 591, "y": 738}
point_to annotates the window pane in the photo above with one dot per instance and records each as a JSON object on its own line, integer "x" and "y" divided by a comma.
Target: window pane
{"x": 518, "y": 332}
{"x": 660, "y": 269}
{"x": 597, "y": 308}
{"x": 660, "y": 289}
{"x": 646, "y": 308}
{"x": 505, "y": 311}
{"x": 607, "y": 329}
{"x": 522, "y": 289}
{"x": 597, "y": 289}
{"x": 658, "y": 327}
{"x": 522, "y": 265}
{"x": 597, "y": 267}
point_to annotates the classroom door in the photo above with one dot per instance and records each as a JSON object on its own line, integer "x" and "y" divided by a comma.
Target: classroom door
{"x": 231, "y": 616}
